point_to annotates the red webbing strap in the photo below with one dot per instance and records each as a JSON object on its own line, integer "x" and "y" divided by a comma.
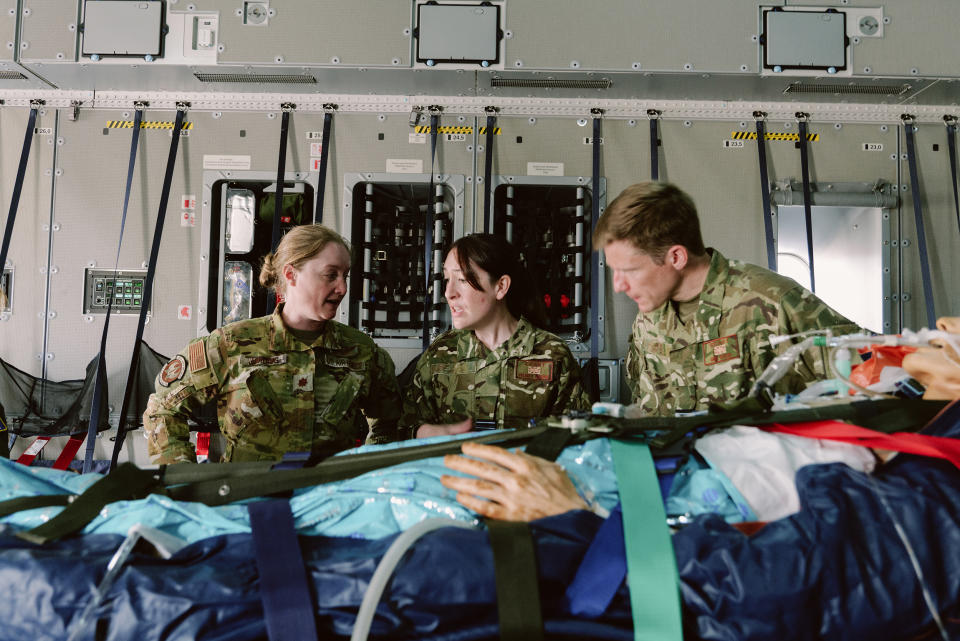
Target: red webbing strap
{"x": 69, "y": 451}
{"x": 31, "y": 452}
{"x": 203, "y": 446}
{"x": 907, "y": 442}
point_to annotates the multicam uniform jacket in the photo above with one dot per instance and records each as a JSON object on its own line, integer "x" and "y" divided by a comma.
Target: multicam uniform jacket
{"x": 531, "y": 374}
{"x": 725, "y": 347}
{"x": 274, "y": 393}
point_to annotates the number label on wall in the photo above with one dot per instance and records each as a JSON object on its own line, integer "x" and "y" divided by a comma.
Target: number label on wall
{"x": 43, "y": 131}
{"x": 455, "y": 137}
{"x": 873, "y": 146}
{"x": 733, "y": 144}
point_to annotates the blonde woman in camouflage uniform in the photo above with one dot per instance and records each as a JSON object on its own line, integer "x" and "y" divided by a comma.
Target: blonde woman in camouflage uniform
{"x": 293, "y": 381}
{"x": 496, "y": 365}
{"x": 702, "y": 334}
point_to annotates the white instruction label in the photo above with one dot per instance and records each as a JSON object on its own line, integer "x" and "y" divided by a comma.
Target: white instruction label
{"x": 544, "y": 168}
{"x": 316, "y": 149}
{"x": 872, "y": 146}
{"x": 404, "y": 166}
{"x": 733, "y": 144}
{"x": 188, "y": 218}
{"x": 417, "y": 139}
{"x": 220, "y": 161}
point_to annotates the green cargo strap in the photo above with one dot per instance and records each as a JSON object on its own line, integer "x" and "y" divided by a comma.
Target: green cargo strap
{"x": 518, "y": 590}
{"x": 651, "y": 567}
{"x": 127, "y": 482}
{"x": 12, "y": 506}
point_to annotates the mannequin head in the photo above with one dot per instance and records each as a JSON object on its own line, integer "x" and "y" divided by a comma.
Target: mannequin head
{"x": 938, "y": 368}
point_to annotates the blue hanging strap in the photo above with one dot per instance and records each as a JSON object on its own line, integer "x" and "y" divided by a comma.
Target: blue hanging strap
{"x": 147, "y": 295}
{"x": 765, "y": 191}
{"x": 654, "y": 144}
{"x": 287, "y": 107}
{"x": 951, "y": 122}
{"x": 328, "y": 108}
{"x": 593, "y": 370}
{"x": 807, "y": 212}
{"x": 18, "y": 185}
{"x": 910, "y": 129}
{"x": 644, "y": 553}
{"x": 287, "y": 603}
{"x": 428, "y": 232}
{"x": 488, "y": 168}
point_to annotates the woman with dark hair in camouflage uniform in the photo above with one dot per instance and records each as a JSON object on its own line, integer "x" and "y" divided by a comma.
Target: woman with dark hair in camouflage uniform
{"x": 293, "y": 381}
{"x": 497, "y": 365}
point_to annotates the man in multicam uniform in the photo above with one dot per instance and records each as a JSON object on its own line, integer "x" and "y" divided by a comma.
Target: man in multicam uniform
{"x": 702, "y": 334}
{"x": 497, "y": 365}
{"x": 293, "y": 381}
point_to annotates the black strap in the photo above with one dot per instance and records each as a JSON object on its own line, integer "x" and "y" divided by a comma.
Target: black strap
{"x": 518, "y": 590}
{"x": 147, "y": 288}
{"x": 549, "y": 444}
{"x": 324, "y": 156}
{"x": 126, "y": 483}
{"x": 654, "y": 148}
{"x": 278, "y": 196}
{"x": 807, "y": 212}
{"x": 284, "y": 591}
{"x": 592, "y": 371}
{"x": 488, "y": 174}
{"x": 918, "y": 219}
{"x": 12, "y": 506}
{"x": 428, "y": 236}
{"x": 18, "y": 187}
{"x": 765, "y": 195}
{"x": 952, "y": 146}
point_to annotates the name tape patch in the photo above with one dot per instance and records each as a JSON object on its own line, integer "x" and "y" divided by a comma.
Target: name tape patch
{"x": 722, "y": 349}
{"x": 534, "y": 370}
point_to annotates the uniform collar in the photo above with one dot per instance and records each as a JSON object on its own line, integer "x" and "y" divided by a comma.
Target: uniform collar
{"x": 520, "y": 342}
{"x": 282, "y": 340}
{"x": 706, "y": 321}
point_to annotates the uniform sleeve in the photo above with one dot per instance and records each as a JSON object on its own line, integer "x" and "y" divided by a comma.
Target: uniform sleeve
{"x": 571, "y": 394}
{"x": 382, "y": 405}
{"x": 419, "y": 399}
{"x": 182, "y": 388}
{"x": 802, "y": 311}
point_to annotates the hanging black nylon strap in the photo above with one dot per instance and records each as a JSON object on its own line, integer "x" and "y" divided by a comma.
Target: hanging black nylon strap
{"x": 807, "y": 212}
{"x": 518, "y": 591}
{"x": 488, "y": 174}
{"x": 765, "y": 195}
{"x": 952, "y": 148}
{"x": 278, "y": 196}
{"x": 147, "y": 289}
{"x": 96, "y": 409}
{"x": 428, "y": 236}
{"x": 324, "y": 156}
{"x": 18, "y": 187}
{"x": 593, "y": 369}
{"x": 918, "y": 219}
{"x": 654, "y": 146}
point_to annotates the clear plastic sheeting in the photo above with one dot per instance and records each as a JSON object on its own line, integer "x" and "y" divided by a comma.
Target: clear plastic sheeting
{"x": 237, "y": 285}
{"x": 241, "y": 212}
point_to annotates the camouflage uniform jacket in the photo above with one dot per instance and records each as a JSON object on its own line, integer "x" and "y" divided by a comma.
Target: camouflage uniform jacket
{"x": 725, "y": 347}
{"x": 531, "y": 374}
{"x": 274, "y": 393}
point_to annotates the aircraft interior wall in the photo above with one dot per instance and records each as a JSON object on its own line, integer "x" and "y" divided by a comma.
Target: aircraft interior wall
{"x": 72, "y": 195}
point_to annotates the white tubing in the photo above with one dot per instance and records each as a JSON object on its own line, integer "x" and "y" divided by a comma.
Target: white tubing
{"x": 389, "y": 562}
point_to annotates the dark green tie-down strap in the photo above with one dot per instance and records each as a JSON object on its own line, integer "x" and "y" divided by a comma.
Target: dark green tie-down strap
{"x": 518, "y": 590}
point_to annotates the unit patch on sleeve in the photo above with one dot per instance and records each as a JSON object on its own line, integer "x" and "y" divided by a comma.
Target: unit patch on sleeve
{"x": 173, "y": 371}
{"x": 722, "y": 349}
{"x": 198, "y": 356}
{"x": 534, "y": 370}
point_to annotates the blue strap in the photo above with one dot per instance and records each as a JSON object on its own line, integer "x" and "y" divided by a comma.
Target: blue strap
{"x": 807, "y": 213}
{"x": 147, "y": 294}
{"x": 287, "y": 602}
{"x": 602, "y": 570}
{"x": 765, "y": 196}
{"x": 654, "y": 150}
{"x": 324, "y": 156}
{"x": 278, "y": 196}
{"x": 918, "y": 219}
{"x": 18, "y": 186}
{"x": 488, "y": 174}
{"x": 428, "y": 236}
{"x": 952, "y": 146}
{"x": 593, "y": 371}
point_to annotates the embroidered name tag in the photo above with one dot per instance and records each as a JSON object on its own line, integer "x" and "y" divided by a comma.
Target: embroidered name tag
{"x": 530, "y": 370}
{"x": 722, "y": 349}
{"x": 340, "y": 362}
{"x": 258, "y": 361}
{"x": 173, "y": 371}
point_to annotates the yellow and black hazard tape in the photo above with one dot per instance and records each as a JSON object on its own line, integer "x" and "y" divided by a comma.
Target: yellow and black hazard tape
{"x": 752, "y": 135}
{"x": 421, "y": 129}
{"x": 146, "y": 124}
